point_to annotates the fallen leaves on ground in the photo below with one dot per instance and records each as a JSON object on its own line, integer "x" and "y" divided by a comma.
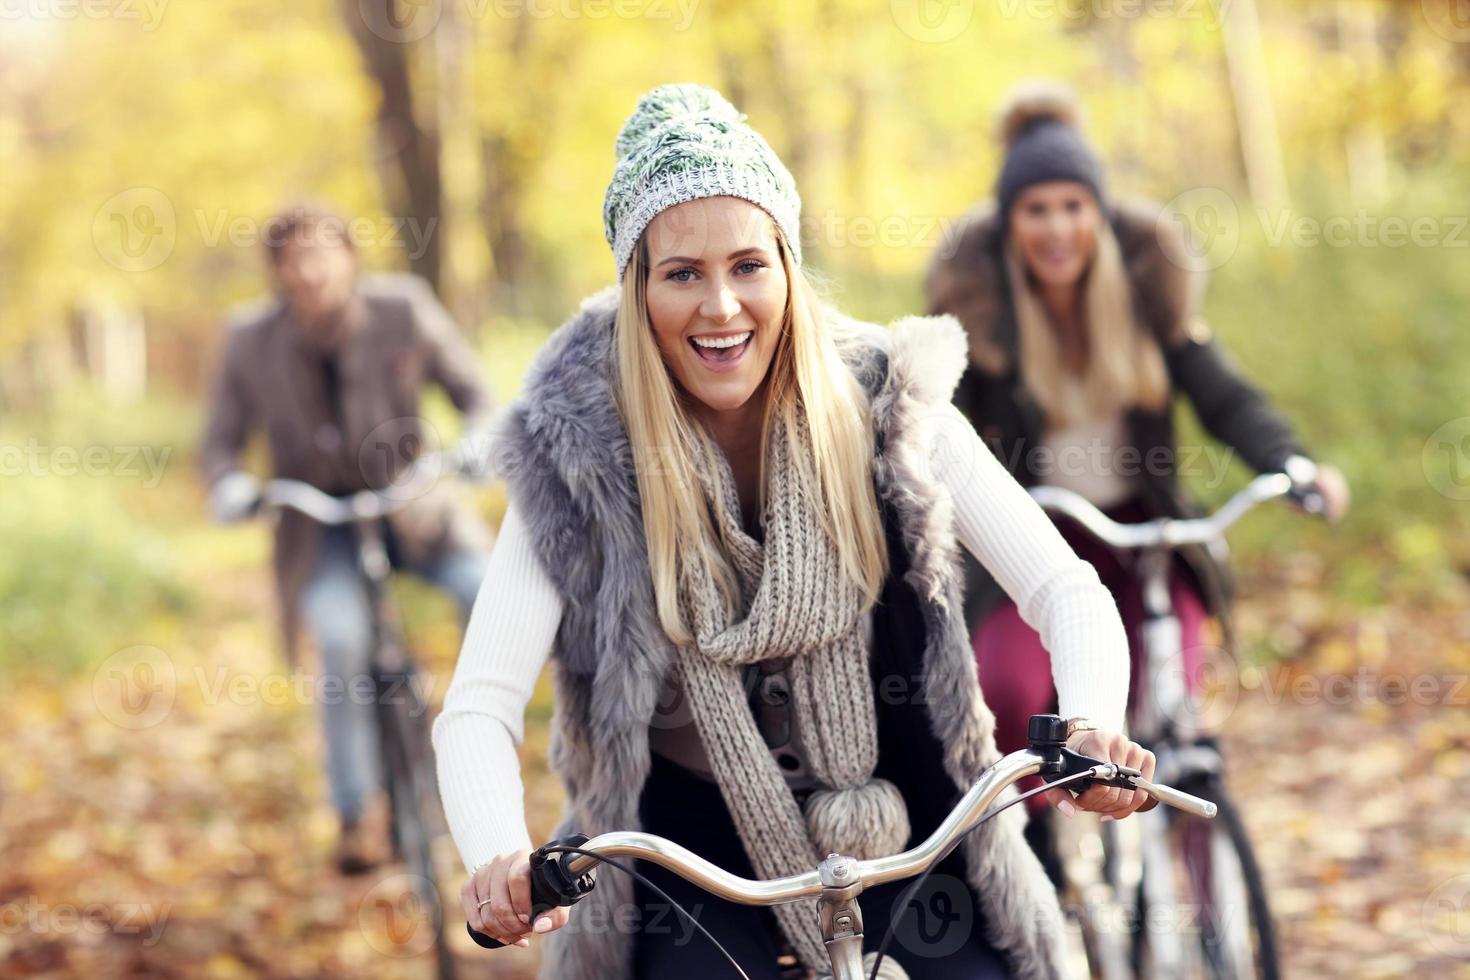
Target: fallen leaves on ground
{"x": 198, "y": 845}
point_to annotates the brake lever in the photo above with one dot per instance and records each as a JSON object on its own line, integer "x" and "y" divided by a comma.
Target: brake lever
{"x": 1310, "y": 500}
{"x": 552, "y": 886}
{"x": 1104, "y": 773}
{"x": 1047, "y": 735}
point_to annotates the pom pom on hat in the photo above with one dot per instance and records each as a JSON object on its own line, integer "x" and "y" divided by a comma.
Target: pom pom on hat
{"x": 669, "y": 103}
{"x": 1035, "y": 101}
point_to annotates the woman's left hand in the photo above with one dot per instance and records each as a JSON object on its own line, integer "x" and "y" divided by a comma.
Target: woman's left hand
{"x": 1111, "y": 801}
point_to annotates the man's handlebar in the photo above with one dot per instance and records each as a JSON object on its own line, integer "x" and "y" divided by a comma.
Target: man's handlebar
{"x": 325, "y": 508}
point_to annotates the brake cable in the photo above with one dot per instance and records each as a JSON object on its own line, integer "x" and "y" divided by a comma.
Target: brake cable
{"x": 568, "y": 849}
{"x": 902, "y": 904}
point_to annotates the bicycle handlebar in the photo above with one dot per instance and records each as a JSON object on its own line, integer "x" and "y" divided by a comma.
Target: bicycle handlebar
{"x": 363, "y": 505}
{"x": 566, "y": 881}
{"x": 1163, "y": 531}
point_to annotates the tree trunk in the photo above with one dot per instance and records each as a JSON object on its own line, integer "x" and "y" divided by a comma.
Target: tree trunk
{"x": 464, "y": 271}
{"x": 1255, "y": 115}
{"x": 1367, "y": 156}
{"x": 410, "y": 161}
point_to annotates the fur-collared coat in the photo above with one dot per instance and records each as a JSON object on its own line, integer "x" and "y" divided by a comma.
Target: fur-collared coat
{"x": 967, "y": 279}
{"x": 397, "y": 339}
{"x": 567, "y": 459}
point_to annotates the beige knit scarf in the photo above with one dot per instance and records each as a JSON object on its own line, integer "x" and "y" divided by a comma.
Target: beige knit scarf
{"x": 795, "y": 602}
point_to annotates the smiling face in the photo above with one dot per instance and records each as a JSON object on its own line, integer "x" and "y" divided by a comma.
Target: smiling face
{"x": 716, "y": 297}
{"x": 1054, "y": 231}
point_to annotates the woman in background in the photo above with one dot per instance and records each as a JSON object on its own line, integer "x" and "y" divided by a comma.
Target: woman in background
{"x": 1083, "y": 324}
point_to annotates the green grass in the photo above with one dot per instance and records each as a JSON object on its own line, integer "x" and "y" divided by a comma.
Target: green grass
{"x": 93, "y": 510}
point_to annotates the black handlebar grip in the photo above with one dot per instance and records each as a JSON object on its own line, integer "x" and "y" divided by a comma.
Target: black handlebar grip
{"x": 551, "y": 887}
{"x": 483, "y": 940}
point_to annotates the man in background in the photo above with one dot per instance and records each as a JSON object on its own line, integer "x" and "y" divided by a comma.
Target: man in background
{"x": 332, "y": 371}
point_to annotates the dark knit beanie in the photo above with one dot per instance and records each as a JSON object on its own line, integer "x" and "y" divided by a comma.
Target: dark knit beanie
{"x": 1038, "y": 123}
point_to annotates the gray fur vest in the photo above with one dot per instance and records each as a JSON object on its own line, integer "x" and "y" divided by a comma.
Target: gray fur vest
{"x": 570, "y": 469}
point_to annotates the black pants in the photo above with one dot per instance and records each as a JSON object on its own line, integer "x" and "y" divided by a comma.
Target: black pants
{"x": 941, "y": 936}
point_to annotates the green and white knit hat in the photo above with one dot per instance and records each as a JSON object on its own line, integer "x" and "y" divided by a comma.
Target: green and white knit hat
{"x": 685, "y": 142}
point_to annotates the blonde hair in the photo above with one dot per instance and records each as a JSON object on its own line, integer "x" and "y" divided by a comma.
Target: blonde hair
{"x": 808, "y": 384}
{"x": 1125, "y": 366}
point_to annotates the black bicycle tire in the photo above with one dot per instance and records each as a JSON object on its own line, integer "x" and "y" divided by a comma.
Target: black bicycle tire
{"x": 410, "y": 791}
{"x": 1228, "y": 818}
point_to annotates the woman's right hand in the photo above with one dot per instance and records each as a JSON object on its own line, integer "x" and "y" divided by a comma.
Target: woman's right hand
{"x": 497, "y": 901}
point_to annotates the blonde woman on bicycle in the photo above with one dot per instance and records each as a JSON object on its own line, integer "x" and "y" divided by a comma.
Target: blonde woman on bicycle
{"x": 734, "y": 530}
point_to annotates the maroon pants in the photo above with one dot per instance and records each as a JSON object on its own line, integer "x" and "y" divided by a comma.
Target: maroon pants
{"x": 1015, "y": 669}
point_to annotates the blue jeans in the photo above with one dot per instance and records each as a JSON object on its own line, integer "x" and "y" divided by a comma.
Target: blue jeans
{"x": 338, "y": 614}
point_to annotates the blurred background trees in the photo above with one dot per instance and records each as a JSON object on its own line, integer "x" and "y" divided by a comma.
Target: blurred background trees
{"x": 1319, "y": 149}
{"x": 472, "y": 139}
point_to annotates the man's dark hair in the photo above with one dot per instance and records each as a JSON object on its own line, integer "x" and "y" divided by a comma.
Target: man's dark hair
{"x": 304, "y": 216}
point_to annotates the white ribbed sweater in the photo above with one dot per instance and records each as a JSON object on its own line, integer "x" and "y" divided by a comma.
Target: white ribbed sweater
{"x": 516, "y": 615}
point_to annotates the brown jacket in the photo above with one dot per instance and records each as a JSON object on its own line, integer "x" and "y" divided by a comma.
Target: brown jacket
{"x": 397, "y": 338}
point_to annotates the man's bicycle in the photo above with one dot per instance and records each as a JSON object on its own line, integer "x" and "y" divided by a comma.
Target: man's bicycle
{"x": 402, "y": 714}
{"x": 1167, "y": 895}
{"x": 563, "y": 872}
